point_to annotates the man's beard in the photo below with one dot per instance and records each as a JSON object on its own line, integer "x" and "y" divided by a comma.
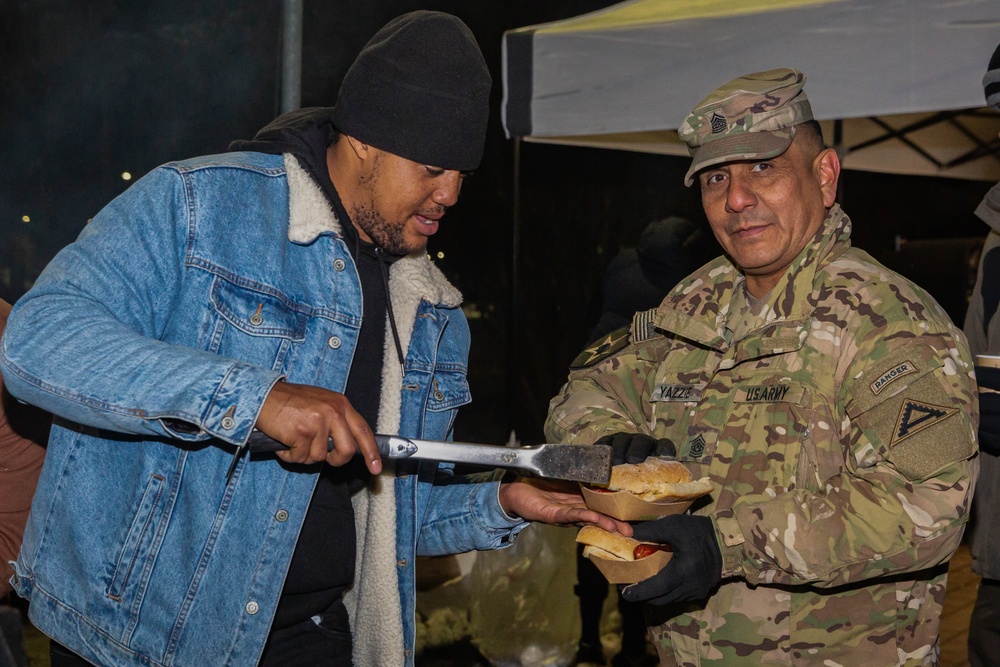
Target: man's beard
{"x": 386, "y": 235}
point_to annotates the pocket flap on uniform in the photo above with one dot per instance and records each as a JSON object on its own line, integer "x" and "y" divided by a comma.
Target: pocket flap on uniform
{"x": 257, "y": 313}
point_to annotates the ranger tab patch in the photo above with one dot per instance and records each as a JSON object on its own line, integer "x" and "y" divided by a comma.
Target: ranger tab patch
{"x": 602, "y": 348}
{"x": 916, "y": 416}
{"x": 892, "y": 374}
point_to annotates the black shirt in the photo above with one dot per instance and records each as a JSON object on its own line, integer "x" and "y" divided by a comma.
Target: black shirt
{"x": 323, "y": 564}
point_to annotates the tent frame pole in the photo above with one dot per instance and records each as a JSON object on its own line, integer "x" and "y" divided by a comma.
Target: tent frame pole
{"x": 513, "y": 321}
{"x": 291, "y": 55}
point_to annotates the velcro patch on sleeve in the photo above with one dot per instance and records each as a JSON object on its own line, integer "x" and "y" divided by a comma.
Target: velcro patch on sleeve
{"x": 915, "y": 416}
{"x": 889, "y": 376}
{"x": 911, "y": 415}
{"x": 642, "y": 325}
{"x": 601, "y": 349}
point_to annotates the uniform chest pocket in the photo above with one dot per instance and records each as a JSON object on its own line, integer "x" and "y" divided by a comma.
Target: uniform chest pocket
{"x": 767, "y": 434}
{"x": 254, "y": 326}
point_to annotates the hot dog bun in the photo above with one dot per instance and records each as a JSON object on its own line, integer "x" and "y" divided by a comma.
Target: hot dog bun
{"x": 658, "y": 480}
{"x": 602, "y": 544}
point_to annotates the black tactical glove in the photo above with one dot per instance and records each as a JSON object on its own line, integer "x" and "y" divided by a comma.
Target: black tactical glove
{"x": 636, "y": 447}
{"x": 695, "y": 568}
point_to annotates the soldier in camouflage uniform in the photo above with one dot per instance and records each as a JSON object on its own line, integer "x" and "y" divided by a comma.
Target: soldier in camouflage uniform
{"x": 830, "y": 401}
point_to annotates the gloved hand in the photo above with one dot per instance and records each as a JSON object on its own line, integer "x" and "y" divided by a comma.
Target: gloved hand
{"x": 636, "y": 447}
{"x": 694, "y": 570}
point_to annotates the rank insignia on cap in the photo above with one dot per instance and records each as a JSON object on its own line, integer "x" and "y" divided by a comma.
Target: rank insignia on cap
{"x": 602, "y": 348}
{"x": 718, "y": 122}
{"x": 915, "y": 416}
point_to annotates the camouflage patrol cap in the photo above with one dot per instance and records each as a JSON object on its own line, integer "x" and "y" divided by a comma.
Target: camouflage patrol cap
{"x": 752, "y": 117}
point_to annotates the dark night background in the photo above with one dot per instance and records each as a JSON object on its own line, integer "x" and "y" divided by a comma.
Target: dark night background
{"x": 89, "y": 90}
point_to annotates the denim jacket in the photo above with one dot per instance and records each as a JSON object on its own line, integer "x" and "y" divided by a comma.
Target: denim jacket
{"x": 155, "y": 339}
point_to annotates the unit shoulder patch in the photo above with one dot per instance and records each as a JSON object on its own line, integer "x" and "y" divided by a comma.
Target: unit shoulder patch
{"x": 915, "y": 416}
{"x": 920, "y": 429}
{"x": 601, "y": 349}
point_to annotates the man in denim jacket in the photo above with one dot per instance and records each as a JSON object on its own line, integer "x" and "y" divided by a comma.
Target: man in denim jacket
{"x": 285, "y": 287}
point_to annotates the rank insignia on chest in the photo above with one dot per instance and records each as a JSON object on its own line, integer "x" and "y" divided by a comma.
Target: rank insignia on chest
{"x": 602, "y": 348}
{"x": 915, "y": 416}
{"x": 696, "y": 448}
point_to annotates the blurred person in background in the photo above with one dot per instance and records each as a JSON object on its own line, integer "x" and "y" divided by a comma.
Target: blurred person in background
{"x": 637, "y": 279}
{"x": 982, "y": 327}
{"x": 24, "y": 429}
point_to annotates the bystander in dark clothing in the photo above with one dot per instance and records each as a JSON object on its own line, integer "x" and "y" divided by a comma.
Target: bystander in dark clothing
{"x": 982, "y": 328}
{"x": 23, "y": 432}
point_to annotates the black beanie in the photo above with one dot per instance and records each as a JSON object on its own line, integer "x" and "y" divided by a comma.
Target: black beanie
{"x": 419, "y": 89}
{"x": 991, "y": 82}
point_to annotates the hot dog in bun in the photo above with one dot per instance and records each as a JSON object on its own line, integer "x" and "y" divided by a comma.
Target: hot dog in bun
{"x": 614, "y": 546}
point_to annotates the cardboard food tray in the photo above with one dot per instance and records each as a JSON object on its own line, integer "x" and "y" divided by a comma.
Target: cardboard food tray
{"x": 626, "y": 506}
{"x": 987, "y": 360}
{"x": 629, "y": 572}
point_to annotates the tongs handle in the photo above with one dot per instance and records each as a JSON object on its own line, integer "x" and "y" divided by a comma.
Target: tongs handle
{"x": 389, "y": 446}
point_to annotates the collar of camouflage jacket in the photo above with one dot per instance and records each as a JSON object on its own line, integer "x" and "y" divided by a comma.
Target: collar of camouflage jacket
{"x": 989, "y": 209}
{"x": 698, "y": 307}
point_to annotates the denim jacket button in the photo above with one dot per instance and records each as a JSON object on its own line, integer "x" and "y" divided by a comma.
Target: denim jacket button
{"x": 438, "y": 395}
{"x": 256, "y": 320}
{"x": 339, "y": 264}
{"x": 334, "y": 342}
{"x": 401, "y": 563}
{"x": 281, "y": 515}
{"x": 228, "y": 423}
{"x": 252, "y": 607}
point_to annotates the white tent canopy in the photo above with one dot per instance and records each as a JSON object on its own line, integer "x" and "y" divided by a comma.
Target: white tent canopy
{"x": 899, "y": 82}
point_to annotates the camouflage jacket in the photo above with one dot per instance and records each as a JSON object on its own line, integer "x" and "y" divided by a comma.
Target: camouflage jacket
{"x": 839, "y": 436}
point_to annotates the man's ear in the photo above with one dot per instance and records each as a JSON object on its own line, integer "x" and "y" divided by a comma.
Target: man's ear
{"x": 826, "y": 166}
{"x": 360, "y": 148}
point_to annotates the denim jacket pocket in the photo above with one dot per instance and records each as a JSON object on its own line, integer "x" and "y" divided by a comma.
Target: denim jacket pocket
{"x": 448, "y": 391}
{"x": 255, "y": 325}
{"x": 138, "y": 539}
